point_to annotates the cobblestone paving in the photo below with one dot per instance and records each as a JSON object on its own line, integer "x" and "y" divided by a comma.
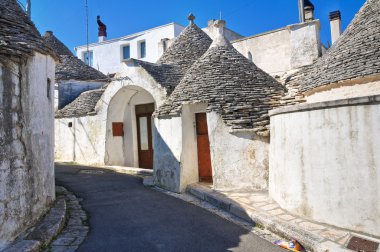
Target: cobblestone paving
{"x": 76, "y": 228}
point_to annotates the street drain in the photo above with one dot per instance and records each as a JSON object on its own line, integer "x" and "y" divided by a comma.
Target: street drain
{"x": 362, "y": 245}
{"x": 91, "y": 172}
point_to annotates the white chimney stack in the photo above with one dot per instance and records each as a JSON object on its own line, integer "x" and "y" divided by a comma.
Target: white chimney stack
{"x": 301, "y": 8}
{"x": 336, "y": 25}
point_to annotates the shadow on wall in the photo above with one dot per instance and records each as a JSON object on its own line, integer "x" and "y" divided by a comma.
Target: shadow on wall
{"x": 167, "y": 167}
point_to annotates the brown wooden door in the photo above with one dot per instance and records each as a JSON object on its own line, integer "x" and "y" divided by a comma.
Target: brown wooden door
{"x": 204, "y": 158}
{"x": 145, "y": 135}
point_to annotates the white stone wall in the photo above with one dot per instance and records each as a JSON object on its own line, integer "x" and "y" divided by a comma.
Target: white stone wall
{"x": 167, "y": 153}
{"x": 107, "y": 55}
{"x": 83, "y": 142}
{"x": 26, "y": 139}
{"x": 325, "y": 162}
{"x": 345, "y": 92}
{"x": 239, "y": 160}
{"x": 279, "y": 51}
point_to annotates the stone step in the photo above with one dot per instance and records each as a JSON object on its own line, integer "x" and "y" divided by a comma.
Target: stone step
{"x": 311, "y": 241}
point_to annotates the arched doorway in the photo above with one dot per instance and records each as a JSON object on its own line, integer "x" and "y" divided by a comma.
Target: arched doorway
{"x": 130, "y": 127}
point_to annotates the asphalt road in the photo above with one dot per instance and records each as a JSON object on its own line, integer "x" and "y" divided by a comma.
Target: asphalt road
{"x": 126, "y": 216}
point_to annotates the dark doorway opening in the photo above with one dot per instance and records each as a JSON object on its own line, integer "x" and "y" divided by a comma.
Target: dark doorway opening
{"x": 203, "y": 143}
{"x": 145, "y": 134}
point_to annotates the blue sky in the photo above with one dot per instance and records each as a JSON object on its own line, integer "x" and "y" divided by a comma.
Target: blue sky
{"x": 122, "y": 17}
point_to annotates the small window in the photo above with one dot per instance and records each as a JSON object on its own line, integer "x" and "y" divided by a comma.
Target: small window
{"x": 126, "y": 52}
{"x": 70, "y": 124}
{"x": 48, "y": 88}
{"x": 142, "y": 49}
{"x": 117, "y": 129}
{"x": 88, "y": 57}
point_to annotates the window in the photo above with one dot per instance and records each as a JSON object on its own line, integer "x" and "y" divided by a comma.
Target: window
{"x": 142, "y": 49}
{"x": 126, "y": 52}
{"x": 48, "y": 88}
{"x": 88, "y": 57}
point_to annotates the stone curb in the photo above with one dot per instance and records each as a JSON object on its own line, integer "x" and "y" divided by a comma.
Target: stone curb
{"x": 45, "y": 230}
{"x": 118, "y": 169}
{"x": 309, "y": 240}
{"x": 76, "y": 229}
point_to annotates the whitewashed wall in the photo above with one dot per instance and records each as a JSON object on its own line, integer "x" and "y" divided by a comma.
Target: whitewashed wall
{"x": 279, "y": 51}
{"x": 83, "y": 142}
{"x": 240, "y": 161}
{"x": 342, "y": 91}
{"x": 325, "y": 162}
{"x": 107, "y": 55}
{"x": 167, "y": 153}
{"x": 26, "y": 140}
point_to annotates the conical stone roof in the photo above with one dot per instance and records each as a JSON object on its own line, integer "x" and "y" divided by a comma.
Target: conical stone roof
{"x": 189, "y": 46}
{"x": 70, "y": 67}
{"x": 231, "y": 85}
{"x": 55, "y": 44}
{"x": 18, "y": 35}
{"x": 355, "y": 54}
{"x": 84, "y": 105}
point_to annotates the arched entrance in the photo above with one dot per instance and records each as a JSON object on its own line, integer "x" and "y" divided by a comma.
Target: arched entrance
{"x": 130, "y": 127}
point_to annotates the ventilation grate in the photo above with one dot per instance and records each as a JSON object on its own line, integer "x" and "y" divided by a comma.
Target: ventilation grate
{"x": 362, "y": 245}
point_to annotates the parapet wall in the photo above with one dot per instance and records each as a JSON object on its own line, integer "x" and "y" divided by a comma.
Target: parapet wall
{"x": 325, "y": 162}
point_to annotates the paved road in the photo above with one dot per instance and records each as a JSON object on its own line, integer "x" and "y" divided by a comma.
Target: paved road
{"x": 126, "y": 216}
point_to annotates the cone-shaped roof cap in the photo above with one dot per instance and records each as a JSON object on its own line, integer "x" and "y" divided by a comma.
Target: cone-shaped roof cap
{"x": 354, "y": 55}
{"x": 54, "y": 43}
{"x": 231, "y": 85}
{"x": 18, "y": 35}
{"x": 189, "y": 46}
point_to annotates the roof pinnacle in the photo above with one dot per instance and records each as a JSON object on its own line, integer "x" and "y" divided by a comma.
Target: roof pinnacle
{"x": 191, "y": 18}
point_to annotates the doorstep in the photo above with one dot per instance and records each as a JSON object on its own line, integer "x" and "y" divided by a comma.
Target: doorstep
{"x": 257, "y": 208}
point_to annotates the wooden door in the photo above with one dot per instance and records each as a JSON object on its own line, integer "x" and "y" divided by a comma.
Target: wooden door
{"x": 145, "y": 135}
{"x": 204, "y": 158}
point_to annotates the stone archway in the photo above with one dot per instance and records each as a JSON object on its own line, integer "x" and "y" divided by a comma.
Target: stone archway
{"x": 123, "y": 136}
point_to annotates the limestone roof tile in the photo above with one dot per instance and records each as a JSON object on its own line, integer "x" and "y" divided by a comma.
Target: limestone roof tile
{"x": 54, "y": 43}
{"x": 70, "y": 67}
{"x": 231, "y": 85}
{"x": 189, "y": 46}
{"x": 355, "y": 54}
{"x": 19, "y": 37}
{"x": 84, "y": 105}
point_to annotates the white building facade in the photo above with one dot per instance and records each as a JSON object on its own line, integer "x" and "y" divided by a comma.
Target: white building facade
{"x": 108, "y": 56}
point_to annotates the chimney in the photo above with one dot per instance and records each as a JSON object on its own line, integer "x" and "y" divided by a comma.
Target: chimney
{"x": 301, "y": 8}
{"x": 102, "y": 30}
{"x": 309, "y": 10}
{"x": 336, "y": 25}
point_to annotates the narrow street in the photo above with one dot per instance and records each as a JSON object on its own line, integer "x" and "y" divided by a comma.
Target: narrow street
{"x": 126, "y": 216}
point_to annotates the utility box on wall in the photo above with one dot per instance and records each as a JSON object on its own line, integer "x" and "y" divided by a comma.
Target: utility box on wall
{"x": 118, "y": 129}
